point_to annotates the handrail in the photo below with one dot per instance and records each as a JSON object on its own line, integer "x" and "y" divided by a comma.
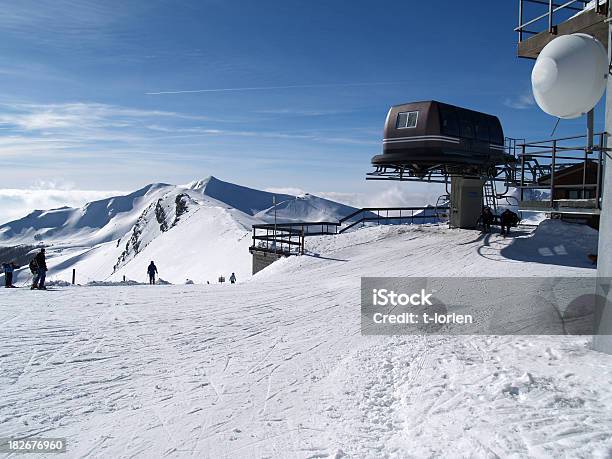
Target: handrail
{"x": 561, "y": 139}
{"x": 383, "y": 209}
{"x": 553, "y": 8}
{"x": 291, "y": 224}
{"x": 378, "y": 218}
{"x": 545, "y": 164}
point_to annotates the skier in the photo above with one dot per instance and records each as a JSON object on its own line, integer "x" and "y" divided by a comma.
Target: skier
{"x": 9, "y": 268}
{"x": 508, "y": 219}
{"x": 33, "y": 269}
{"x": 41, "y": 270}
{"x": 487, "y": 219}
{"x": 233, "y": 278}
{"x": 152, "y": 270}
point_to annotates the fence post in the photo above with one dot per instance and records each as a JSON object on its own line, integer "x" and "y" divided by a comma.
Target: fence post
{"x": 599, "y": 164}
{"x": 552, "y": 174}
{"x": 73, "y": 276}
{"x": 550, "y": 16}
{"x": 520, "y": 21}
{"x": 523, "y": 173}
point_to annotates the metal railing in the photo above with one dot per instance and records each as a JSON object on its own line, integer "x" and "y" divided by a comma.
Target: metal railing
{"x": 289, "y": 238}
{"x": 549, "y": 13}
{"x": 393, "y": 216}
{"x": 545, "y": 15}
{"x": 542, "y": 165}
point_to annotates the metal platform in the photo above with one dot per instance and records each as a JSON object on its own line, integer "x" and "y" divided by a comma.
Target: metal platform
{"x": 562, "y": 176}
{"x": 541, "y": 21}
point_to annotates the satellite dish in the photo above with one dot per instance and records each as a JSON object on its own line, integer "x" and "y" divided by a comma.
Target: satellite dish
{"x": 569, "y": 76}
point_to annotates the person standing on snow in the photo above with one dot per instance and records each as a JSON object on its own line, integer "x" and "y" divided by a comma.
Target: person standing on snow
{"x": 152, "y": 270}
{"x": 508, "y": 219}
{"x": 41, "y": 271}
{"x": 487, "y": 219}
{"x": 9, "y": 268}
{"x": 233, "y": 278}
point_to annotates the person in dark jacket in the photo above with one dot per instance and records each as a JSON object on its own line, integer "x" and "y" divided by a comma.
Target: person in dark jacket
{"x": 152, "y": 271}
{"x": 41, "y": 271}
{"x": 9, "y": 269}
{"x": 487, "y": 219}
{"x": 233, "y": 278}
{"x": 34, "y": 270}
{"x": 507, "y": 219}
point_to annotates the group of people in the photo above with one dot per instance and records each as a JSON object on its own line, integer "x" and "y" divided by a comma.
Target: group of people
{"x": 507, "y": 219}
{"x": 38, "y": 268}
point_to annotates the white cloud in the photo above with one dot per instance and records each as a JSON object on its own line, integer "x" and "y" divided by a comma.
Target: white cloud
{"x": 521, "y": 102}
{"x": 17, "y": 203}
{"x": 79, "y": 116}
{"x": 287, "y": 190}
{"x": 269, "y": 88}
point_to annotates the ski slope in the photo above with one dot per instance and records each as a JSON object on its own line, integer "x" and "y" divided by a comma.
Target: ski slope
{"x": 276, "y": 366}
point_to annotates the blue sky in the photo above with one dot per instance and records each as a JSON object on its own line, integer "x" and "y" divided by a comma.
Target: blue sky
{"x": 75, "y": 81}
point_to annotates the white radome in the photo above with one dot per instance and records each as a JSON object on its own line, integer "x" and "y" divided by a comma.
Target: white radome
{"x": 569, "y": 76}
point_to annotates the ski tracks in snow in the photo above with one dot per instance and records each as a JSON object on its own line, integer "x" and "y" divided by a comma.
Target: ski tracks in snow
{"x": 276, "y": 367}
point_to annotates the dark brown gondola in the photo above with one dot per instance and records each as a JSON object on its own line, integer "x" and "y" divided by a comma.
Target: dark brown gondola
{"x": 432, "y": 136}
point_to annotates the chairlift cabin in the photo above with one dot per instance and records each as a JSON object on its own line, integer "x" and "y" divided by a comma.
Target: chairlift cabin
{"x": 430, "y": 136}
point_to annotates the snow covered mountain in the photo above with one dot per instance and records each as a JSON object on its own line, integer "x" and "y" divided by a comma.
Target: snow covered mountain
{"x": 197, "y": 231}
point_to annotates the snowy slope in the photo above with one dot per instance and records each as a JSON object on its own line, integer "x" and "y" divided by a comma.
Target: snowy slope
{"x": 277, "y": 367}
{"x": 199, "y": 231}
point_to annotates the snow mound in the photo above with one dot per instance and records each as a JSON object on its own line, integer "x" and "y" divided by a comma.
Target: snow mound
{"x": 556, "y": 242}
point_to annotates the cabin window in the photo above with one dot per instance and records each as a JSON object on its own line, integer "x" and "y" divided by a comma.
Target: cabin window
{"x": 407, "y": 120}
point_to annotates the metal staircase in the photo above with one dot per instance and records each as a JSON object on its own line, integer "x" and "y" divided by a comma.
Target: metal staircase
{"x": 490, "y": 195}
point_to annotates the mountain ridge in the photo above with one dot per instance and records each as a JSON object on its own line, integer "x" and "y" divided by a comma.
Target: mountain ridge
{"x": 199, "y": 230}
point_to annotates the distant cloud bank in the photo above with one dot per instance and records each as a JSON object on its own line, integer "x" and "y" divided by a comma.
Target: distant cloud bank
{"x": 384, "y": 195}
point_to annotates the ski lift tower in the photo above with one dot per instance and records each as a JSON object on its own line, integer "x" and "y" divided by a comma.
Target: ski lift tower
{"x": 548, "y": 24}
